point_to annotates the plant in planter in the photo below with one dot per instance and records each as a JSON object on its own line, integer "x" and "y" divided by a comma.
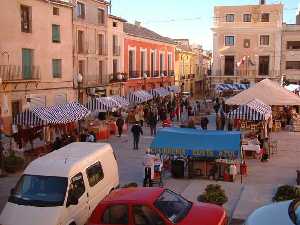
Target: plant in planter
{"x": 213, "y": 194}
{"x": 286, "y": 192}
{"x": 13, "y": 163}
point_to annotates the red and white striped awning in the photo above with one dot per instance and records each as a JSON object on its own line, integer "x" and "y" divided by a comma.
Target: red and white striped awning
{"x": 57, "y": 114}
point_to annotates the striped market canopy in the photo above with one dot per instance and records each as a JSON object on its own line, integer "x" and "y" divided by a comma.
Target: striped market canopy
{"x": 254, "y": 110}
{"x": 139, "y": 96}
{"x": 233, "y": 87}
{"x": 102, "y": 104}
{"x": 57, "y": 114}
{"x": 174, "y": 89}
{"x": 122, "y": 102}
{"x": 160, "y": 92}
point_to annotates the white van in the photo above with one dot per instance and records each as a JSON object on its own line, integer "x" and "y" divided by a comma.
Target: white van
{"x": 63, "y": 187}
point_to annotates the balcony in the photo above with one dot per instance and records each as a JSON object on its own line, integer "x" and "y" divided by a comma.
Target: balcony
{"x": 116, "y": 51}
{"x": 90, "y": 81}
{"x": 118, "y": 77}
{"x": 171, "y": 73}
{"x": 102, "y": 51}
{"x": 145, "y": 72}
{"x": 134, "y": 74}
{"x": 15, "y": 73}
{"x": 156, "y": 73}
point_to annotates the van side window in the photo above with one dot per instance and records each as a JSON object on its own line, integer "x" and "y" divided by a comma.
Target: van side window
{"x": 94, "y": 174}
{"x": 115, "y": 214}
{"x": 77, "y": 185}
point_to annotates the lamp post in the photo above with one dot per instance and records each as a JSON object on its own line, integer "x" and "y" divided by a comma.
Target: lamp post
{"x": 120, "y": 78}
{"x": 79, "y": 82}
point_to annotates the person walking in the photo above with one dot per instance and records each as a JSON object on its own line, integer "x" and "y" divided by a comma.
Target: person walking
{"x": 137, "y": 131}
{"x": 204, "y": 122}
{"x": 152, "y": 123}
{"x": 120, "y": 124}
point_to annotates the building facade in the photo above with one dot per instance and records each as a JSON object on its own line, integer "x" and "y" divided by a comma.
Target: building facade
{"x": 36, "y": 67}
{"x": 290, "y": 62}
{"x": 247, "y": 43}
{"x": 90, "y": 47}
{"x": 115, "y": 55}
{"x": 185, "y": 62}
{"x": 149, "y": 58}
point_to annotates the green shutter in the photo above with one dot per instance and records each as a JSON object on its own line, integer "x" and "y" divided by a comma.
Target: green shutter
{"x": 27, "y": 63}
{"x": 56, "y": 68}
{"x": 55, "y": 33}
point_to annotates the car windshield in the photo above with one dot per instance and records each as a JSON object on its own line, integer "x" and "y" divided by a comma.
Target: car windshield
{"x": 173, "y": 206}
{"x": 40, "y": 191}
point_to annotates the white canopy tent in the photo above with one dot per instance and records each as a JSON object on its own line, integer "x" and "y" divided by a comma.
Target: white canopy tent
{"x": 269, "y": 92}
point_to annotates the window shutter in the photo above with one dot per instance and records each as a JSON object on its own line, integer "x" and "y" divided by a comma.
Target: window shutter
{"x": 56, "y": 68}
{"x": 55, "y": 33}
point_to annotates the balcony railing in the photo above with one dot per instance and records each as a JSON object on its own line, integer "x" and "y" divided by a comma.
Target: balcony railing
{"x": 134, "y": 74}
{"x": 118, "y": 77}
{"x": 147, "y": 72}
{"x": 171, "y": 73}
{"x": 13, "y": 73}
{"x": 156, "y": 73}
{"x": 116, "y": 50}
{"x": 102, "y": 51}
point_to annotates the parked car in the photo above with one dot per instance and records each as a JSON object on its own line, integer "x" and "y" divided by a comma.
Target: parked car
{"x": 154, "y": 206}
{"x": 63, "y": 187}
{"x": 283, "y": 213}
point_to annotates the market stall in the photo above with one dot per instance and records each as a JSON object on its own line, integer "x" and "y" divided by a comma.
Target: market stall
{"x": 160, "y": 92}
{"x": 208, "y": 154}
{"x": 175, "y": 89}
{"x": 138, "y": 97}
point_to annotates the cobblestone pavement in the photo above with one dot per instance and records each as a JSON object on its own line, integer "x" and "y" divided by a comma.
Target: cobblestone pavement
{"x": 256, "y": 190}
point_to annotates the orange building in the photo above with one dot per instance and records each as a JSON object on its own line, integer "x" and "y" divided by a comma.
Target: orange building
{"x": 149, "y": 58}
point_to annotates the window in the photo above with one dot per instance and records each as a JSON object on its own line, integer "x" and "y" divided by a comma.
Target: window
{"x": 229, "y": 65}
{"x": 229, "y": 17}
{"x": 170, "y": 72}
{"x": 152, "y": 62}
{"x": 246, "y": 43}
{"x": 101, "y": 71}
{"x": 143, "y": 62}
{"x": 161, "y": 64}
{"x": 100, "y": 44}
{"x": 264, "y": 65}
{"x": 143, "y": 215}
{"x": 25, "y": 19}
{"x": 94, "y": 174}
{"x": 101, "y": 16}
{"x": 55, "y": 11}
{"x": 132, "y": 64}
{"x": 80, "y": 10}
{"x": 293, "y": 65}
{"x": 80, "y": 41}
{"x": 27, "y": 63}
{"x": 229, "y": 40}
{"x": 116, "y": 48}
{"x": 247, "y": 18}
{"x": 115, "y": 66}
{"x": 56, "y": 68}
{"x": 115, "y": 214}
{"x": 55, "y": 33}
{"x": 15, "y": 108}
{"x": 293, "y": 45}
{"x": 264, "y": 40}
{"x": 77, "y": 187}
{"x": 265, "y": 17}
{"x": 115, "y": 24}
{"x": 81, "y": 67}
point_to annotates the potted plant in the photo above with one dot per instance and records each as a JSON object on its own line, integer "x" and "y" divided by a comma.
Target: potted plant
{"x": 13, "y": 163}
{"x": 213, "y": 194}
{"x": 286, "y": 192}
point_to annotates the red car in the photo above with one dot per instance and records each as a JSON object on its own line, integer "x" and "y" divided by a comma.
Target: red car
{"x": 154, "y": 206}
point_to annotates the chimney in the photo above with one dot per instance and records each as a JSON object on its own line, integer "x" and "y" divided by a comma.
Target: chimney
{"x": 298, "y": 19}
{"x": 137, "y": 23}
{"x": 262, "y": 2}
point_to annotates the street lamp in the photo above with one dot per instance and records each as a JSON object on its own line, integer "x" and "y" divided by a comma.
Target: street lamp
{"x": 120, "y": 78}
{"x": 79, "y": 81}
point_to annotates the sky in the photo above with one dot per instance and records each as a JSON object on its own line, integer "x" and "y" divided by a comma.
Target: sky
{"x": 190, "y": 19}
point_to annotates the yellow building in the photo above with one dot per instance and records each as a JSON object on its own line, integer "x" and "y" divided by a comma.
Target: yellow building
{"x": 185, "y": 66}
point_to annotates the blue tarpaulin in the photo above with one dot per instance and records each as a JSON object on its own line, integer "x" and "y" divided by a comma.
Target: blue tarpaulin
{"x": 198, "y": 143}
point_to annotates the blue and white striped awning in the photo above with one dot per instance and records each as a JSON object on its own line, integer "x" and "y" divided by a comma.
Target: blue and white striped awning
{"x": 233, "y": 87}
{"x": 122, "y": 102}
{"x": 139, "y": 96}
{"x": 174, "y": 89}
{"x": 103, "y": 104}
{"x": 160, "y": 92}
{"x": 254, "y": 110}
{"x": 57, "y": 114}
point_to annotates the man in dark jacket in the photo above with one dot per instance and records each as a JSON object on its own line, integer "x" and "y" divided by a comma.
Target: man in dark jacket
{"x": 152, "y": 123}
{"x": 136, "y": 131}
{"x": 204, "y": 121}
{"x": 120, "y": 124}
